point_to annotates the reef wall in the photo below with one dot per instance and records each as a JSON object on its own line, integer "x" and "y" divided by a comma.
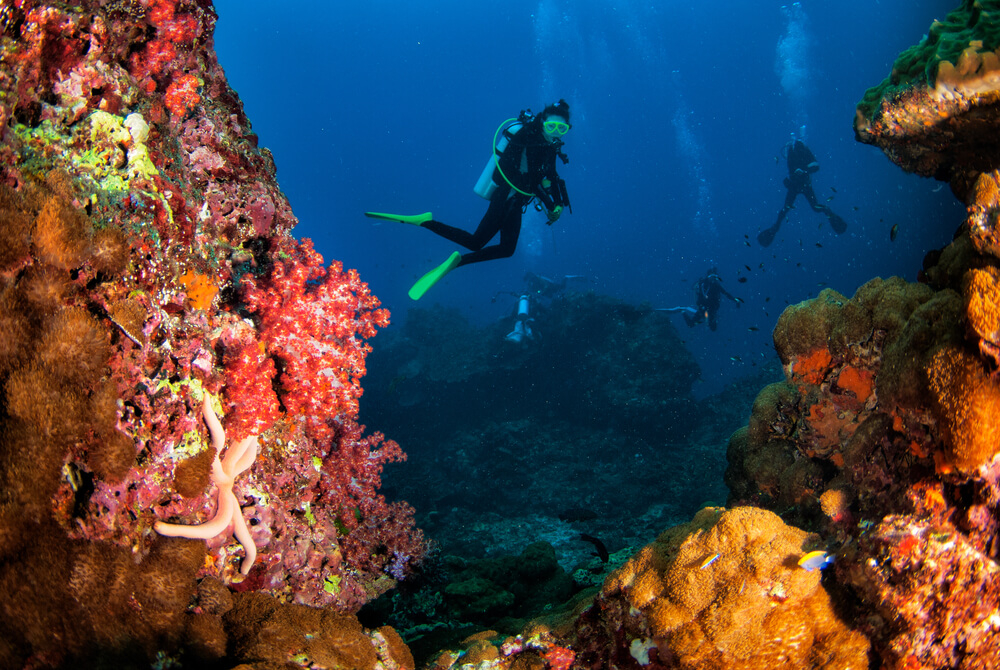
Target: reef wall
{"x": 182, "y": 473}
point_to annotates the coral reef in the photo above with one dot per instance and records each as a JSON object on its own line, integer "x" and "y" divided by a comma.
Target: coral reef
{"x": 631, "y": 373}
{"x": 148, "y": 279}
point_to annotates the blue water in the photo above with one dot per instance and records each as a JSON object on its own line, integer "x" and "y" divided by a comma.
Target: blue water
{"x": 679, "y": 110}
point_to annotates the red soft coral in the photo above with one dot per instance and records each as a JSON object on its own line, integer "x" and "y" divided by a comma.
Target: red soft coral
{"x": 315, "y": 320}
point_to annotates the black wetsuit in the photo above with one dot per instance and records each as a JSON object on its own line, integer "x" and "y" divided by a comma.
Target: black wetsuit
{"x": 527, "y": 160}
{"x": 801, "y": 164}
{"x": 709, "y": 292}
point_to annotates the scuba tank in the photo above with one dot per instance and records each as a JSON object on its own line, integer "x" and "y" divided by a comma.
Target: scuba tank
{"x": 521, "y": 328}
{"x": 485, "y": 186}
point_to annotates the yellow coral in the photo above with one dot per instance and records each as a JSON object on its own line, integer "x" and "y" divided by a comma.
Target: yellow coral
{"x": 968, "y": 404}
{"x": 750, "y": 608}
{"x": 982, "y": 303}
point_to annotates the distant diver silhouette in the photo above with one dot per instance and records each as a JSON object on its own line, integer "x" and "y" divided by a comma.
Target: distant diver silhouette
{"x": 801, "y": 164}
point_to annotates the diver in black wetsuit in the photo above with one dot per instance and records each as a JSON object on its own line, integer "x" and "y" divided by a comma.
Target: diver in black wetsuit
{"x": 801, "y": 164}
{"x": 525, "y": 171}
{"x": 708, "y": 291}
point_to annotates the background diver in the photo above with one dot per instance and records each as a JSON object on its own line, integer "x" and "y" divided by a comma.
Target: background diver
{"x": 801, "y": 164}
{"x": 708, "y": 293}
{"x": 521, "y": 169}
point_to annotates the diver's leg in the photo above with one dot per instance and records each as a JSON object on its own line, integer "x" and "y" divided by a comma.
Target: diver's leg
{"x": 488, "y": 226}
{"x": 787, "y": 207}
{"x": 510, "y": 230}
{"x": 766, "y": 236}
{"x": 816, "y": 205}
{"x": 837, "y": 223}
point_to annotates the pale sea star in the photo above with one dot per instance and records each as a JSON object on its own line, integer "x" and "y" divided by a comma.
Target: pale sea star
{"x": 228, "y": 515}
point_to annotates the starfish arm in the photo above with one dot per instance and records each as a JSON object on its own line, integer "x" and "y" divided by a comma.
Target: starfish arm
{"x": 214, "y": 425}
{"x": 242, "y": 534}
{"x": 205, "y": 531}
{"x": 247, "y": 452}
{"x": 235, "y": 460}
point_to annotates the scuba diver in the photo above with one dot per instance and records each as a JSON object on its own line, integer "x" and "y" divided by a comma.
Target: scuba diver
{"x": 801, "y": 163}
{"x": 522, "y": 168}
{"x": 547, "y": 288}
{"x": 708, "y": 291}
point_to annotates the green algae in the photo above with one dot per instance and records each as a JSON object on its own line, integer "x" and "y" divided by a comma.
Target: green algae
{"x": 972, "y": 21}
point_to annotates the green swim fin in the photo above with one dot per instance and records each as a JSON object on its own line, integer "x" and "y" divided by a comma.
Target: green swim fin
{"x": 415, "y": 219}
{"x": 434, "y": 276}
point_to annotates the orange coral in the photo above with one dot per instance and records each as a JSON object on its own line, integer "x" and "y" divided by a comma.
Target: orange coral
{"x": 110, "y": 252}
{"x": 968, "y": 404}
{"x": 812, "y": 367}
{"x": 982, "y": 308}
{"x": 201, "y": 290}
{"x": 836, "y": 502}
{"x": 856, "y": 380}
{"x": 62, "y": 235}
{"x": 15, "y": 229}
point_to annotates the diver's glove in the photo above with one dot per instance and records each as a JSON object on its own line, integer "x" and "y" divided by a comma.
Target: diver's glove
{"x": 554, "y": 214}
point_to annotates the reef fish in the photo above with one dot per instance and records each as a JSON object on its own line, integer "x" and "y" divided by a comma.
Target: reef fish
{"x": 893, "y": 232}
{"x": 816, "y": 560}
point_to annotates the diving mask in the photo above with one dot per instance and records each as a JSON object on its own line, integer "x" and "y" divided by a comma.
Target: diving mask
{"x": 556, "y": 128}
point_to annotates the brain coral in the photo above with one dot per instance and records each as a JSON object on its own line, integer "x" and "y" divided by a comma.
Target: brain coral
{"x": 725, "y": 591}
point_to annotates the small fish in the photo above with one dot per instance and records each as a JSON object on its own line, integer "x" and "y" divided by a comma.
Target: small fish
{"x": 742, "y": 280}
{"x": 746, "y": 236}
{"x": 599, "y": 547}
{"x": 761, "y": 266}
{"x": 708, "y": 561}
{"x": 829, "y": 199}
{"x": 736, "y": 359}
{"x": 833, "y": 189}
{"x": 767, "y": 299}
{"x": 748, "y": 268}
{"x": 816, "y": 560}
{"x": 856, "y": 208}
{"x": 940, "y": 186}
{"x": 893, "y": 232}
{"x": 819, "y": 245}
{"x": 739, "y": 300}
{"x": 753, "y": 329}
{"x": 746, "y": 242}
